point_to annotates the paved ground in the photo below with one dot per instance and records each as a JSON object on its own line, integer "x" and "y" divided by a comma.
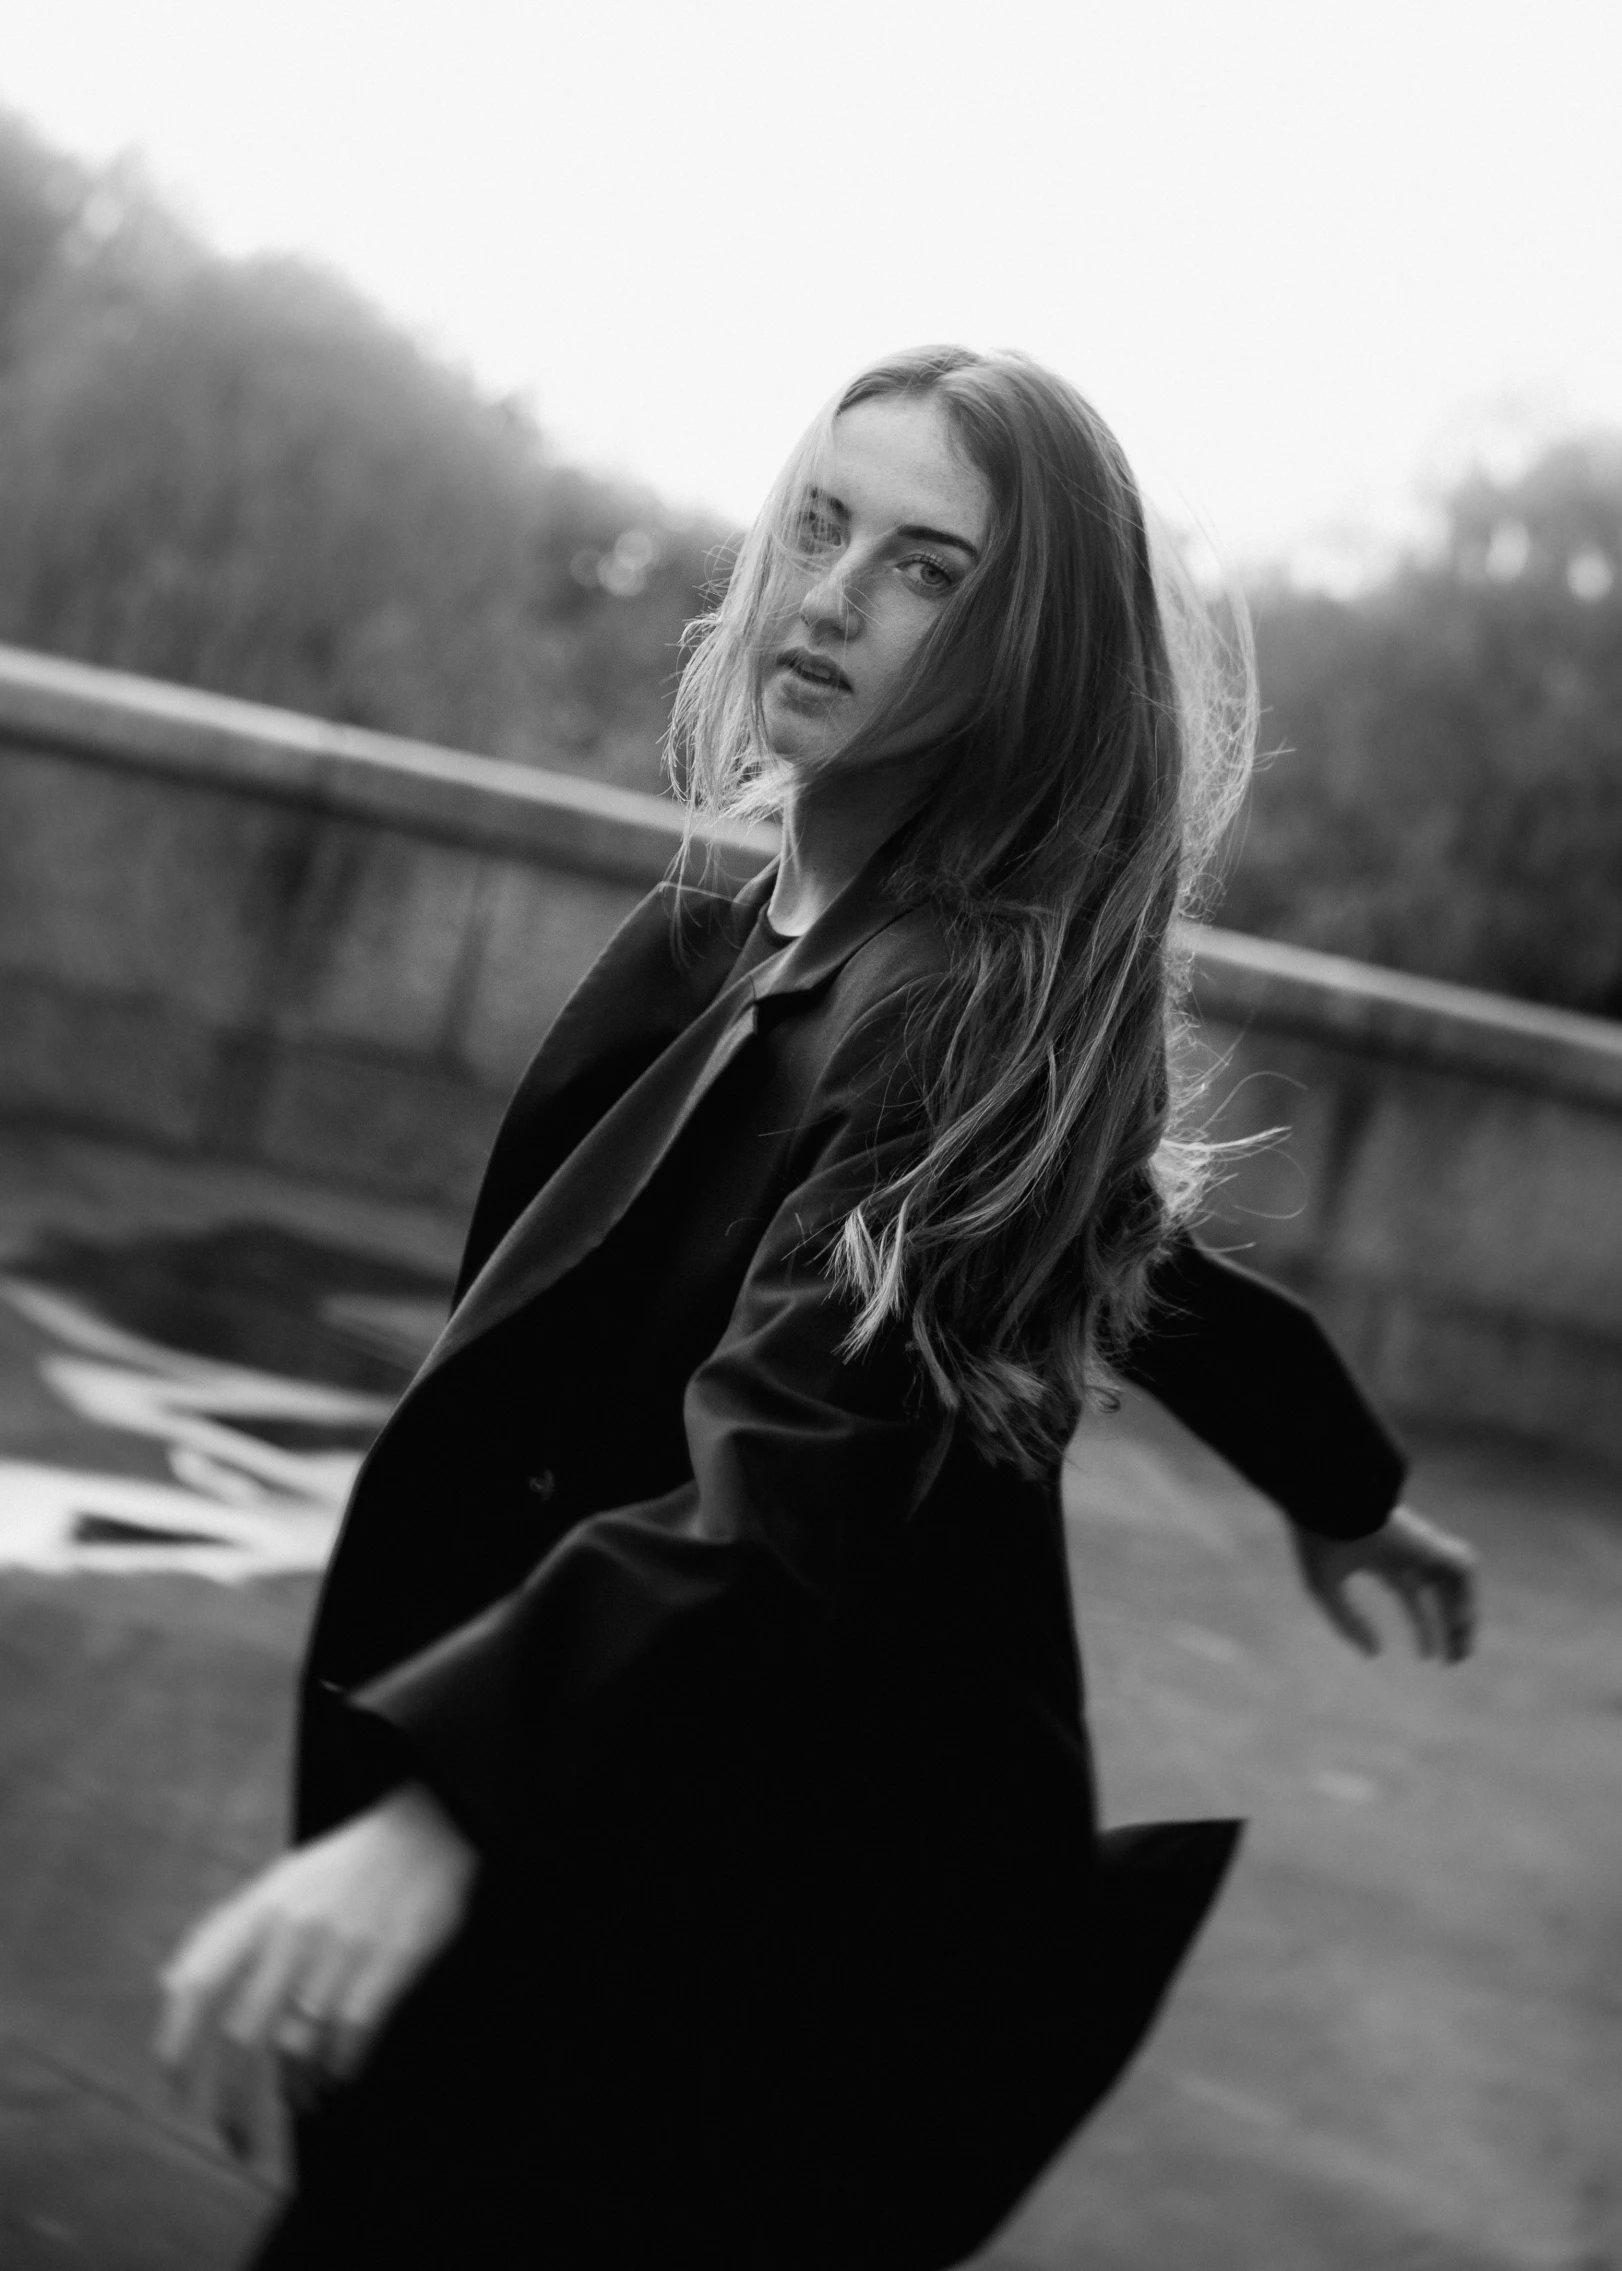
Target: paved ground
{"x": 1400, "y": 2044}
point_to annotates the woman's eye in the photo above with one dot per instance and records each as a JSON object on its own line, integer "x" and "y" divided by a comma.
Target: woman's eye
{"x": 817, "y": 532}
{"x": 927, "y": 573}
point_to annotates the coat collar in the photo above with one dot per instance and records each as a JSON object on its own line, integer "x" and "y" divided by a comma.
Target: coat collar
{"x": 720, "y": 925}
{"x": 862, "y": 909}
{"x": 579, "y": 1205}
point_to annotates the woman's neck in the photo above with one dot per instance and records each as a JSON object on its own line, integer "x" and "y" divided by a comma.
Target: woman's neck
{"x": 832, "y": 826}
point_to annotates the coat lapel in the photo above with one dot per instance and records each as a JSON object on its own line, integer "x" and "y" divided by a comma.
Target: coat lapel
{"x": 580, "y": 1204}
{"x": 576, "y": 1209}
{"x": 637, "y": 998}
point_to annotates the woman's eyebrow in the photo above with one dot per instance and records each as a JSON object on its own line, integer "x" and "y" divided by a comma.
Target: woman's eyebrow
{"x": 913, "y": 532}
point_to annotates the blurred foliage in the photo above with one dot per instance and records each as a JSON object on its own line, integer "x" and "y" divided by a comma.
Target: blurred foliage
{"x": 236, "y": 475}
{"x": 1449, "y": 796}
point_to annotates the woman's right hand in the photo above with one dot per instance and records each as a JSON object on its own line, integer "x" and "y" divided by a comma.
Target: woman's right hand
{"x": 304, "y": 1964}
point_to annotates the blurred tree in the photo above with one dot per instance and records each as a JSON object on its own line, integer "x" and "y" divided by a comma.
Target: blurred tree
{"x": 1450, "y": 799}
{"x": 41, "y": 196}
{"x": 236, "y": 475}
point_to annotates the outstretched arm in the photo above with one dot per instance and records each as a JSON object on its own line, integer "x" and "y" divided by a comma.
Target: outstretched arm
{"x": 1251, "y": 1372}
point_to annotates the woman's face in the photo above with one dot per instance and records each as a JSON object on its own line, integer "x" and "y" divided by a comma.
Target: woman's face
{"x": 895, "y": 520}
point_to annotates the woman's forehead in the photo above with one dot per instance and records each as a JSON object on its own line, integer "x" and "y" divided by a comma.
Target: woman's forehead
{"x": 896, "y": 461}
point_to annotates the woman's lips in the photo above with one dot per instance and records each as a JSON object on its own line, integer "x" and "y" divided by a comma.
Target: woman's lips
{"x": 814, "y": 672}
{"x": 810, "y": 696}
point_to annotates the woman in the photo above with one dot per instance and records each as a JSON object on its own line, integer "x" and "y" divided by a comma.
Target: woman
{"x": 697, "y": 1853}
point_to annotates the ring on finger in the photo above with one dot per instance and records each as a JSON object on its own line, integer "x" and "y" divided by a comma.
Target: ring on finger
{"x": 301, "y": 2032}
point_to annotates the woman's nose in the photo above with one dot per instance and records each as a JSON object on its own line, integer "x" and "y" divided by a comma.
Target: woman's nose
{"x": 829, "y": 605}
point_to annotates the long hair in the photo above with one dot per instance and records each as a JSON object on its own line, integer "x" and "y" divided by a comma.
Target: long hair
{"x": 1103, "y": 736}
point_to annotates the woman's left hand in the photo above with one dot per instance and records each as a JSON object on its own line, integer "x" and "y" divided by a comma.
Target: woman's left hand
{"x": 302, "y": 1966}
{"x": 1431, "y": 1572}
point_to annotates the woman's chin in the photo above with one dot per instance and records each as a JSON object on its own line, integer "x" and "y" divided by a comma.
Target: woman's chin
{"x": 796, "y": 739}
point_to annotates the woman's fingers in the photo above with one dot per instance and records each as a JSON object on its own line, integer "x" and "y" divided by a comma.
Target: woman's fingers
{"x": 1455, "y": 1596}
{"x": 197, "y": 1980}
{"x": 303, "y": 2037}
{"x": 249, "y": 1974}
{"x": 244, "y": 2099}
{"x": 219, "y": 1991}
{"x": 1434, "y": 1575}
{"x": 281, "y": 2030}
{"x": 309, "y": 2011}
{"x": 1411, "y": 1591}
{"x": 243, "y": 2051}
{"x": 1463, "y": 1625}
{"x": 370, "y": 1995}
{"x": 283, "y": 1956}
{"x": 1346, "y": 1615}
{"x": 1429, "y": 1607}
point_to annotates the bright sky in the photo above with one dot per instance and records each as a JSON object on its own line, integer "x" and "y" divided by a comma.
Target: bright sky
{"x": 1302, "y": 253}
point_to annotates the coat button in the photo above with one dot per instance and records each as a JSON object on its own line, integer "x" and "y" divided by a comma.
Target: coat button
{"x": 544, "y": 1485}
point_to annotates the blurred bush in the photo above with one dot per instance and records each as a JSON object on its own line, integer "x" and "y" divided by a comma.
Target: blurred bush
{"x": 238, "y": 476}
{"x": 1449, "y": 798}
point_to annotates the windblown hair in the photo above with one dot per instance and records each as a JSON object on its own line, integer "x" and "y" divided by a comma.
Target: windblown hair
{"x": 1103, "y": 734}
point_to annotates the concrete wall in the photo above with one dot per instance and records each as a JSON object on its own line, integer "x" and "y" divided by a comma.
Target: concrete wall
{"x": 1449, "y": 1192}
{"x": 232, "y": 930}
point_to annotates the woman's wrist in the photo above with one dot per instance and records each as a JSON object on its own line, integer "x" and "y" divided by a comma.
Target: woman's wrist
{"x": 417, "y": 1819}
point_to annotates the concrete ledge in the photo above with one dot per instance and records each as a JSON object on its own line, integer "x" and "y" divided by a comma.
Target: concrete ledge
{"x": 486, "y": 803}
{"x": 564, "y": 821}
{"x": 1292, "y": 989}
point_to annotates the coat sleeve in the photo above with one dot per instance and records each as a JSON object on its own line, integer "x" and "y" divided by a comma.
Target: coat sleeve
{"x": 1254, "y": 1375}
{"x": 650, "y": 1625}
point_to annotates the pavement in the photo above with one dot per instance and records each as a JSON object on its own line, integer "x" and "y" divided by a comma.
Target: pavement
{"x": 1398, "y": 2046}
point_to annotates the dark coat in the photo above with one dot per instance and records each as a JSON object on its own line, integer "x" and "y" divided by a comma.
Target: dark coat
{"x": 796, "y": 1943}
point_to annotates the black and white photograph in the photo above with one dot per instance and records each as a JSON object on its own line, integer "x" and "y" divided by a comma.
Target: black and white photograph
{"x": 810, "y": 1136}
